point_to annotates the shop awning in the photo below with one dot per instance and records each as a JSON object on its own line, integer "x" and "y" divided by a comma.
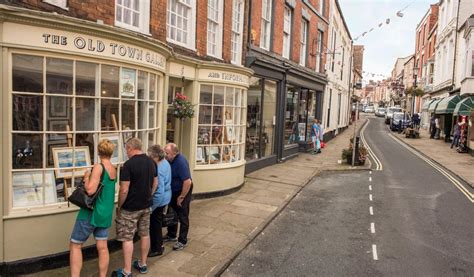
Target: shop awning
{"x": 465, "y": 107}
{"x": 433, "y": 105}
{"x": 448, "y": 104}
{"x": 426, "y": 105}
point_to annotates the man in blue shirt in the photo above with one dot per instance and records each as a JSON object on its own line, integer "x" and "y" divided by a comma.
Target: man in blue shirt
{"x": 181, "y": 188}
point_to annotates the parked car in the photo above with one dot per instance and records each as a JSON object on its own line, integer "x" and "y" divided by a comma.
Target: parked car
{"x": 389, "y": 112}
{"x": 369, "y": 109}
{"x": 397, "y": 118}
{"x": 380, "y": 112}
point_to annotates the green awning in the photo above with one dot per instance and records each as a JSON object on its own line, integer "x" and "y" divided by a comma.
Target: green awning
{"x": 426, "y": 105}
{"x": 433, "y": 105}
{"x": 448, "y": 104}
{"x": 465, "y": 107}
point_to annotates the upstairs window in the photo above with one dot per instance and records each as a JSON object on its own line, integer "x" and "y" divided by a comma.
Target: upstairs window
{"x": 266, "y": 24}
{"x": 303, "y": 42}
{"x": 287, "y": 32}
{"x": 237, "y": 28}
{"x": 133, "y": 15}
{"x": 58, "y": 3}
{"x": 180, "y": 22}
{"x": 214, "y": 28}
{"x": 319, "y": 54}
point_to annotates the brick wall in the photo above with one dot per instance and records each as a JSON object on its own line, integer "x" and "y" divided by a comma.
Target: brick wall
{"x": 358, "y": 57}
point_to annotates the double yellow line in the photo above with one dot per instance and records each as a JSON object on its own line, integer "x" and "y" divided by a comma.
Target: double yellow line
{"x": 378, "y": 163}
{"x": 453, "y": 180}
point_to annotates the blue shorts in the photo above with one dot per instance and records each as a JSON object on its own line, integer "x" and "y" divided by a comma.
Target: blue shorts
{"x": 83, "y": 229}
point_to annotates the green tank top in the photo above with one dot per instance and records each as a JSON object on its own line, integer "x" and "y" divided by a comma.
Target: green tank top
{"x": 101, "y": 216}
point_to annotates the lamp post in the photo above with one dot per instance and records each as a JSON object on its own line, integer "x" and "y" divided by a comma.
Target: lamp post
{"x": 415, "y": 76}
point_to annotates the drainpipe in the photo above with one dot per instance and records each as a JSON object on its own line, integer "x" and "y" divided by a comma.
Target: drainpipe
{"x": 455, "y": 45}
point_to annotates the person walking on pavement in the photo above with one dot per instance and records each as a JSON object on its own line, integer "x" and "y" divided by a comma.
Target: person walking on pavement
{"x": 432, "y": 127}
{"x": 456, "y": 135}
{"x": 98, "y": 220}
{"x": 181, "y": 188}
{"x": 138, "y": 182}
{"x": 161, "y": 198}
{"x": 321, "y": 133}
{"x": 437, "y": 128}
{"x": 315, "y": 136}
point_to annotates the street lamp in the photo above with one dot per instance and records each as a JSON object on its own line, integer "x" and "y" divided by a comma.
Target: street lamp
{"x": 415, "y": 76}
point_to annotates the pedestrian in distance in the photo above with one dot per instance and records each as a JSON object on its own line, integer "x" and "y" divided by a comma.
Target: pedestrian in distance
{"x": 98, "y": 220}
{"x": 315, "y": 136}
{"x": 321, "y": 134}
{"x": 181, "y": 191}
{"x": 432, "y": 127}
{"x": 138, "y": 182}
{"x": 437, "y": 128}
{"x": 456, "y": 135}
{"x": 161, "y": 198}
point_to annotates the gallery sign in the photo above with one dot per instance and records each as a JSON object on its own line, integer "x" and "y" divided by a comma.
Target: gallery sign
{"x": 223, "y": 76}
{"x": 85, "y": 44}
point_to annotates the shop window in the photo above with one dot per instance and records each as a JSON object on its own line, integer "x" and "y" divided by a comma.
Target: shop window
{"x": 220, "y": 128}
{"x": 292, "y": 130}
{"x": 237, "y": 29}
{"x": 56, "y": 127}
{"x": 180, "y": 22}
{"x": 266, "y": 24}
{"x": 133, "y": 15}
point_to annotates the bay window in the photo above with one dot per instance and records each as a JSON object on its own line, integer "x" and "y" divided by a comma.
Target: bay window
{"x": 220, "y": 138}
{"x": 61, "y": 108}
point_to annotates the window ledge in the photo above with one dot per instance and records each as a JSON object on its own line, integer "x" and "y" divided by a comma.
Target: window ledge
{"x": 220, "y": 166}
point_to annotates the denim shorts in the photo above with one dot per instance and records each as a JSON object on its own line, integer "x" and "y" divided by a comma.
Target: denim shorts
{"x": 83, "y": 229}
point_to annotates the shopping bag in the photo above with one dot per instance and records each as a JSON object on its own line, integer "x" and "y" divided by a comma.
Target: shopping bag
{"x": 323, "y": 144}
{"x": 170, "y": 217}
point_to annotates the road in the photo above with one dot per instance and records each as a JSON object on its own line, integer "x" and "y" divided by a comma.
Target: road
{"x": 407, "y": 219}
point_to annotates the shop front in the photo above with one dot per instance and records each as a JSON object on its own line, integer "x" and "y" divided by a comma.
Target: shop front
{"x": 66, "y": 84}
{"x": 464, "y": 113}
{"x": 283, "y": 99}
{"x": 445, "y": 111}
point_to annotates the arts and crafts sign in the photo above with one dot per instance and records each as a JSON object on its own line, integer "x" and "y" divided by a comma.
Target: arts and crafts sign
{"x": 85, "y": 44}
{"x": 225, "y": 77}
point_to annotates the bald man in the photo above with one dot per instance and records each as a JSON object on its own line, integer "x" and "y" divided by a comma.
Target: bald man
{"x": 181, "y": 188}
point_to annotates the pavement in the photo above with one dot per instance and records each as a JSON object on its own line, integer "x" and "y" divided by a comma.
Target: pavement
{"x": 220, "y": 228}
{"x": 461, "y": 164}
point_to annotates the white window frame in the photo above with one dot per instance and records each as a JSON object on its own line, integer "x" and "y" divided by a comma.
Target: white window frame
{"x": 266, "y": 25}
{"x": 319, "y": 54}
{"x": 58, "y": 3}
{"x": 303, "y": 41}
{"x": 190, "y": 30}
{"x": 237, "y": 29}
{"x": 287, "y": 20}
{"x": 215, "y": 10}
{"x": 143, "y": 19}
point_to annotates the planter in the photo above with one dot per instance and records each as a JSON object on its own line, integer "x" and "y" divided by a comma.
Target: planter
{"x": 349, "y": 159}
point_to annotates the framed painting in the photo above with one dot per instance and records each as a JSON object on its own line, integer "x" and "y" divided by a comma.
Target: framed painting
{"x": 114, "y": 138}
{"x": 28, "y": 188}
{"x": 128, "y": 82}
{"x": 64, "y": 161}
{"x": 58, "y": 107}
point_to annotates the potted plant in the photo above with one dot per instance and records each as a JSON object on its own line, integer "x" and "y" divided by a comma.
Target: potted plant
{"x": 347, "y": 155}
{"x": 182, "y": 107}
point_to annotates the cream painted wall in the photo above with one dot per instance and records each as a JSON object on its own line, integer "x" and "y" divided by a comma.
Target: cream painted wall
{"x": 218, "y": 179}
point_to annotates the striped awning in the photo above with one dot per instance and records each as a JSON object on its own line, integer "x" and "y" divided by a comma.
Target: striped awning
{"x": 465, "y": 106}
{"x": 448, "y": 104}
{"x": 426, "y": 105}
{"x": 433, "y": 105}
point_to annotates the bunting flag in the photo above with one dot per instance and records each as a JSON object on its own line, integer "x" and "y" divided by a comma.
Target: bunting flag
{"x": 399, "y": 14}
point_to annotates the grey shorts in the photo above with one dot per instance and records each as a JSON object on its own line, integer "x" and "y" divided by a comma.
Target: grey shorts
{"x": 128, "y": 222}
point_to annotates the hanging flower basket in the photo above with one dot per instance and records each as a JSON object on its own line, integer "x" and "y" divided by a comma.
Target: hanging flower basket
{"x": 182, "y": 107}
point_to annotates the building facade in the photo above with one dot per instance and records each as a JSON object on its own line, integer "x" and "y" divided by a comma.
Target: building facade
{"x": 79, "y": 73}
{"x": 358, "y": 62}
{"x": 285, "y": 48}
{"x": 445, "y": 48}
{"x": 339, "y": 69}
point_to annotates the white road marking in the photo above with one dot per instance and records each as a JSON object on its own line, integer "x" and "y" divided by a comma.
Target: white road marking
{"x": 371, "y": 210}
{"x": 378, "y": 164}
{"x": 370, "y": 179}
{"x": 372, "y": 228}
{"x": 370, "y": 197}
{"x": 374, "y": 252}
{"x": 370, "y": 172}
{"x": 370, "y": 187}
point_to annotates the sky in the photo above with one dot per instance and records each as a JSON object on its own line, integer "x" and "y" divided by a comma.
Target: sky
{"x": 385, "y": 44}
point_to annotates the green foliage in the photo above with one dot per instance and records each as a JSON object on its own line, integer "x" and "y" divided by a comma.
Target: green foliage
{"x": 182, "y": 107}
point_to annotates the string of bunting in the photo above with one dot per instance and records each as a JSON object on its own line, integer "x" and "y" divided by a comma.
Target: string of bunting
{"x": 387, "y": 21}
{"x": 368, "y": 74}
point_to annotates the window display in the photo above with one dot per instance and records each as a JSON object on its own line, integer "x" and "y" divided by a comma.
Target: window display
{"x": 261, "y": 109}
{"x": 292, "y": 134}
{"x": 220, "y": 125}
{"x": 56, "y": 127}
